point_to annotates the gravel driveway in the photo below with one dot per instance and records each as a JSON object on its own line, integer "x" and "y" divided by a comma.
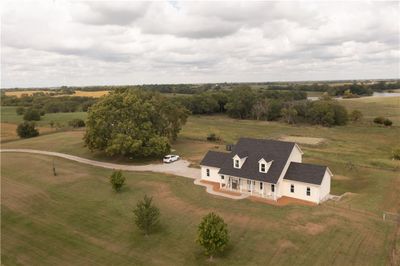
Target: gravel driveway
{"x": 179, "y": 168}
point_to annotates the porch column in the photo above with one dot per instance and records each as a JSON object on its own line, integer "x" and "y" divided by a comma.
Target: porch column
{"x": 263, "y": 188}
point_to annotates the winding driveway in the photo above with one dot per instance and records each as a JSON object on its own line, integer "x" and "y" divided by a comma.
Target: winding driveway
{"x": 179, "y": 168}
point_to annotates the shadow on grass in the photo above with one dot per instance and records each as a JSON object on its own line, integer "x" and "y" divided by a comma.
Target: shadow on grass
{"x": 201, "y": 256}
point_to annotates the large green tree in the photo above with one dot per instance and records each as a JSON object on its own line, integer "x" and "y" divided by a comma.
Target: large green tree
{"x": 134, "y": 123}
{"x": 240, "y": 102}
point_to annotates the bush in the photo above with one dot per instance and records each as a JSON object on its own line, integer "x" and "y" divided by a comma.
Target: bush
{"x": 212, "y": 234}
{"x": 327, "y": 113}
{"x": 117, "y": 180}
{"x": 387, "y": 122}
{"x": 379, "y": 120}
{"x": 32, "y": 115}
{"x": 147, "y": 216}
{"x": 42, "y": 112}
{"x": 76, "y": 123}
{"x": 20, "y": 110}
{"x": 396, "y": 154}
{"x": 213, "y": 137}
{"x": 356, "y": 115}
{"x": 27, "y": 130}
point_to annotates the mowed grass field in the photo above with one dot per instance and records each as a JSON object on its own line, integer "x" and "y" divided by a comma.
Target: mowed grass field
{"x": 76, "y": 219}
{"x": 44, "y": 209}
{"x": 372, "y": 107}
{"x": 10, "y": 120}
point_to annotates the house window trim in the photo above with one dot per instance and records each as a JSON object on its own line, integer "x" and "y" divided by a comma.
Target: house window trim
{"x": 272, "y": 187}
{"x": 262, "y": 167}
{"x": 308, "y": 191}
{"x": 222, "y": 177}
{"x": 261, "y": 185}
{"x": 208, "y": 172}
{"x": 291, "y": 188}
{"x": 236, "y": 163}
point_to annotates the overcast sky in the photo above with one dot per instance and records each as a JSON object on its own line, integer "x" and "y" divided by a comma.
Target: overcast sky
{"x": 54, "y": 43}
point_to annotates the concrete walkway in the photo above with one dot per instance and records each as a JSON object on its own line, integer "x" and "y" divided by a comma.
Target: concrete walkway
{"x": 179, "y": 168}
{"x": 210, "y": 190}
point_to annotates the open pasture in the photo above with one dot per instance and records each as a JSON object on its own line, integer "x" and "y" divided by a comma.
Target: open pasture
{"x": 76, "y": 219}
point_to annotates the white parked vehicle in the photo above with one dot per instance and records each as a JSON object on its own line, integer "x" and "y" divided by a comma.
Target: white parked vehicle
{"x": 170, "y": 158}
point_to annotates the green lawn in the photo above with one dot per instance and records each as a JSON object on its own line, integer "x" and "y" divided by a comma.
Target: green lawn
{"x": 374, "y": 179}
{"x": 372, "y": 107}
{"x": 8, "y": 115}
{"x": 76, "y": 219}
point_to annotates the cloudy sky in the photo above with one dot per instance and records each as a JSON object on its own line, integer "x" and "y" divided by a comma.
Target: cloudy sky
{"x": 54, "y": 43}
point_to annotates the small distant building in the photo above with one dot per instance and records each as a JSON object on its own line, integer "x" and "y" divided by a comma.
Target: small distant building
{"x": 269, "y": 169}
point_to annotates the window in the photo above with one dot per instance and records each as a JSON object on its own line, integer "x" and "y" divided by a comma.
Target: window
{"x": 308, "y": 191}
{"x": 222, "y": 177}
{"x": 236, "y": 163}
{"x": 272, "y": 187}
{"x": 261, "y": 185}
{"x": 263, "y": 167}
{"x": 208, "y": 172}
{"x": 292, "y": 188}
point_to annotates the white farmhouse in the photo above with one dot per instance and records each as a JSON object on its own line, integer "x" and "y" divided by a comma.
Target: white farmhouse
{"x": 269, "y": 169}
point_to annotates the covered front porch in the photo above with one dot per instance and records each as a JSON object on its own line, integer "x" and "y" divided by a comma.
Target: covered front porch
{"x": 250, "y": 187}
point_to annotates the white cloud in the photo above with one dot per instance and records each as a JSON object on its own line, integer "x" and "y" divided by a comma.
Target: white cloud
{"x": 55, "y": 42}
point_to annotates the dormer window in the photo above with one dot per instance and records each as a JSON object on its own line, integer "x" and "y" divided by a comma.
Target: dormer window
{"x": 238, "y": 162}
{"x": 263, "y": 165}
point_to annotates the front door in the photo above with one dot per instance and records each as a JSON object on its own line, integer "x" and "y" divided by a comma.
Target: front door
{"x": 234, "y": 184}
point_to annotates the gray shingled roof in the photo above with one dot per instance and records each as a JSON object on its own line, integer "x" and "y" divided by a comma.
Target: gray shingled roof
{"x": 304, "y": 172}
{"x": 214, "y": 159}
{"x": 278, "y": 151}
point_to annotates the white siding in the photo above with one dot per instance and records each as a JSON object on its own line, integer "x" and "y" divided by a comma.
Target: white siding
{"x": 325, "y": 188}
{"x": 300, "y": 190}
{"x": 214, "y": 176}
{"x": 295, "y": 156}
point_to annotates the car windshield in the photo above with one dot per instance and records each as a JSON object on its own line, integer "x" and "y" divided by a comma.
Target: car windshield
{"x": 167, "y": 157}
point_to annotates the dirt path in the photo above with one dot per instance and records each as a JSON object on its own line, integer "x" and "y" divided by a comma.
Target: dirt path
{"x": 179, "y": 168}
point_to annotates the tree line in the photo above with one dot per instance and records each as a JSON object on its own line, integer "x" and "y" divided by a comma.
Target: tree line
{"x": 47, "y": 104}
{"x": 258, "y": 104}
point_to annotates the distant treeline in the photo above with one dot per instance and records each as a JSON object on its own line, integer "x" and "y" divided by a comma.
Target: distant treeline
{"x": 360, "y": 89}
{"x": 242, "y": 102}
{"x": 48, "y": 104}
{"x": 247, "y": 103}
{"x": 332, "y": 88}
{"x": 340, "y": 90}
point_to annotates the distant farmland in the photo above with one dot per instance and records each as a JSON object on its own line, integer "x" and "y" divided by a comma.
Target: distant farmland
{"x": 94, "y": 94}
